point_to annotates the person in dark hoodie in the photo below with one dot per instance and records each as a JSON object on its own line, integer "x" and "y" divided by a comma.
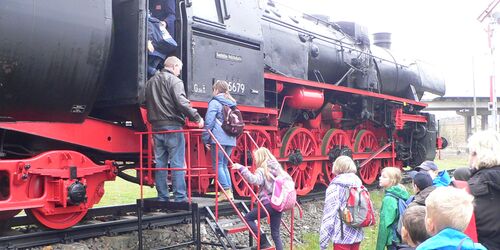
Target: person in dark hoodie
{"x": 484, "y": 185}
{"x": 422, "y": 186}
{"x": 213, "y": 122}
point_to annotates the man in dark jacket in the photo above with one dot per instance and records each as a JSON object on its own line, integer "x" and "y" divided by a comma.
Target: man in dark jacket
{"x": 484, "y": 184}
{"x": 167, "y": 107}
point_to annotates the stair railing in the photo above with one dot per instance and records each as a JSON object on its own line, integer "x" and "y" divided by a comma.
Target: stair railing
{"x": 301, "y": 212}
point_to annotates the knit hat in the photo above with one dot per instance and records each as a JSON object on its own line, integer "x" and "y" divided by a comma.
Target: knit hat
{"x": 427, "y": 165}
{"x": 421, "y": 179}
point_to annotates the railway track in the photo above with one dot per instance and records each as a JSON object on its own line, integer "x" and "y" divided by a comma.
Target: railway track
{"x": 105, "y": 221}
{"x": 110, "y": 221}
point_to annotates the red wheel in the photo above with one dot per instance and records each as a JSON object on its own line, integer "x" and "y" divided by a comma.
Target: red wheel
{"x": 334, "y": 140}
{"x": 298, "y": 144}
{"x": 239, "y": 155}
{"x": 366, "y": 142}
{"x": 57, "y": 221}
{"x": 54, "y": 221}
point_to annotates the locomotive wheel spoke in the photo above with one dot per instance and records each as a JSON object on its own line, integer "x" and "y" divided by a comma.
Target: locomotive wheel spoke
{"x": 333, "y": 138}
{"x": 300, "y": 141}
{"x": 366, "y": 142}
{"x": 262, "y": 139}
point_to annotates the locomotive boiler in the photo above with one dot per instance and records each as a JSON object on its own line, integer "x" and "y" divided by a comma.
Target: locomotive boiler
{"x": 310, "y": 89}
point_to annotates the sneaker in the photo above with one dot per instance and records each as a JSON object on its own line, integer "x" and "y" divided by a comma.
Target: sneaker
{"x": 222, "y": 197}
{"x": 230, "y": 194}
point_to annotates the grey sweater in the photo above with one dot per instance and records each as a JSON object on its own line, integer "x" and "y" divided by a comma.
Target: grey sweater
{"x": 259, "y": 178}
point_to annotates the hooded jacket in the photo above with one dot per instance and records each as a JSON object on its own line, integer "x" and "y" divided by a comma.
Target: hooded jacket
{"x": 484, "y": 185}
{"x": 389, "y": 215}
{"x": 166, "y": 101}
{"x": 335, "y": 199}
{"x": 259, "y": 178}
{"x": 443, "y": 179}
{"x": 214, "y": 119}
{"x": 450, "y": 239}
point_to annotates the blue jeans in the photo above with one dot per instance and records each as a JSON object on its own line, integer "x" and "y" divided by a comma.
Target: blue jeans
{"x": 170, "y": 147}
{"x": 275, "y": 223}
{"x": 224, "y": 176}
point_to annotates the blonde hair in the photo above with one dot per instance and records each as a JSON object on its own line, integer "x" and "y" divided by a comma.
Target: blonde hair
{"x": 393, "y": 174}
{"x": 172, "y": 61}
{"x": 449, "y": 207}
{"x": 344, "y": 164}
{"x": 223, "y": 87}
{"x": 261, "y": 156}
{"x": 486, "y": 146}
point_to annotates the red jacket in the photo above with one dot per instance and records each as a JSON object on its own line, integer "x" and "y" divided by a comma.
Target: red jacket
{"x": 471, "y": 229}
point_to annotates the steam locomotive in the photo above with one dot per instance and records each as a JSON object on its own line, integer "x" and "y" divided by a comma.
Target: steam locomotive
{"x": 310, "y": 90}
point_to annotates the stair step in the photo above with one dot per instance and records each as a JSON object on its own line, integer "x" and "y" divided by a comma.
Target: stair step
{"x": 232, "y": 229}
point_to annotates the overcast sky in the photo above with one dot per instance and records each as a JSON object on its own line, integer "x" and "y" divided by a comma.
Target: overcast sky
{"x": 444, "y": 33}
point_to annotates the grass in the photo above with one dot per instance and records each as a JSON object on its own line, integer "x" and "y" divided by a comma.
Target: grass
{"x": 123, "y": 192}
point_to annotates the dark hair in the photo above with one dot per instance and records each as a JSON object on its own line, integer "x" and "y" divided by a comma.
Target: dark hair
{"x": 414, "y": 222}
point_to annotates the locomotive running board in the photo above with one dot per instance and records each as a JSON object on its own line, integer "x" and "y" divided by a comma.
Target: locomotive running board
{"x": 92, "y": 133}
{"x": 332, "y": 87}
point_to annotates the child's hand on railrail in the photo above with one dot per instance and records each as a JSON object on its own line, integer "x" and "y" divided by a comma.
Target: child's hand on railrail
{"x": 237, "y": 166}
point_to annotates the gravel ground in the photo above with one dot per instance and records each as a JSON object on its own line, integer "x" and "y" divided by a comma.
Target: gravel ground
{"x": 169, "y": 236}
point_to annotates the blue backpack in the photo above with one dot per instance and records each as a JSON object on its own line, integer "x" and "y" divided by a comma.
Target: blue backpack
{"x": 402, "y": 205}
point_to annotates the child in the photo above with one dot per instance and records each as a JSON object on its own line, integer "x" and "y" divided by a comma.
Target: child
{"x": 439, "y": 178}
{"x": 390, "y": 179}
{"x": 413, "y": 231}
{"x": 267, "y": 168}
{"x": 332, "y": 229}
{"x": 448, "y": 212}
{"x": 213, "y": 122}
{"x": 422, "y": 186}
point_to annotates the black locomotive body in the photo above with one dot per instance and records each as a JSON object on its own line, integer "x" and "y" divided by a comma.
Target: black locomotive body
{"x": 71, "y": 75}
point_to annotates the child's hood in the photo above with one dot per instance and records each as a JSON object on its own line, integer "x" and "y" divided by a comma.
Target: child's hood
{"x": 399, "y": 191}
{"x": 443, "y": 179}
{"x": 224, "y": 101}
{"x": 348, "y": 179}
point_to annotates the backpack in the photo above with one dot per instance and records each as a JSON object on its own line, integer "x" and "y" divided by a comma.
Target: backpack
{"x": 358, "y": 211}
{"x": 284, "y": 194}
{"x": 233, "y": 121}
{"x": 402, "y": 205}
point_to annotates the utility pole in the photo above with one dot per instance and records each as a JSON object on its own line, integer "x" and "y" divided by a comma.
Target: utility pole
{"x": 487, "y": 13}
{"x": 474, "y": 94}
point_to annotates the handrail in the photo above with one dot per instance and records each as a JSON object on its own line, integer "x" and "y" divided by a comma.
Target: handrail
{"x": 301, "y": 212}
{"x": 149, "y": 133}
{"x": 260, "y": 205}
{"x": 243, "y": 179}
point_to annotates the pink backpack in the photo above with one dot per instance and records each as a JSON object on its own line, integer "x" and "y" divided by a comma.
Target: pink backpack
{"x": 284, "y": 195}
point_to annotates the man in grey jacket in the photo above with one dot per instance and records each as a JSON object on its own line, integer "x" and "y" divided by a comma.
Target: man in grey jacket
{"x": 167, "y": 107}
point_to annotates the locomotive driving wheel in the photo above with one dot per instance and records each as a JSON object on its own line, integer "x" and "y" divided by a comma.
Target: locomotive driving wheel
{"x": 262, "y": 138}
{"x": 335, "y": 143}
{"x": 299, "y": 143}
{"x": 366, "y": 142}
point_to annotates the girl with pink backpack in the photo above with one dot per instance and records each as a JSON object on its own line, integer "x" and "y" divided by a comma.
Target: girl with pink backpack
{"x": 268, "y": 171}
